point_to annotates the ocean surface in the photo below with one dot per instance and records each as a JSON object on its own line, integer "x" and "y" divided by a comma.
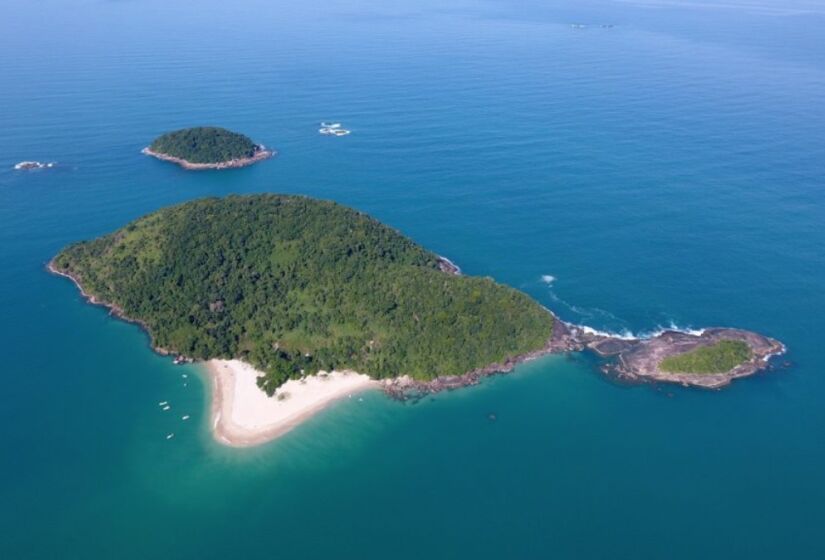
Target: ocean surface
{"x": 668, "y": 170}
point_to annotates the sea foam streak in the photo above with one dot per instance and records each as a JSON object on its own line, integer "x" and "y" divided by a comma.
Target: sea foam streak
{"x": 626, "y": 334}
{"x": 623, "y": 334}
{"x": 672, "y": 326}
{"x": 599, "y": 315}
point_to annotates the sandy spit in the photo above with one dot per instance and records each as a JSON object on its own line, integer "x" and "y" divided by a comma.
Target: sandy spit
{"x": 243, "y": 415}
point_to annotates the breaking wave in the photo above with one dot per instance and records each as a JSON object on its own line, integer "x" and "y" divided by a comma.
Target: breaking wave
{"x": 623, "y": 335}
{"x": 627, "y": 334}
{"x": 672, "y": 326}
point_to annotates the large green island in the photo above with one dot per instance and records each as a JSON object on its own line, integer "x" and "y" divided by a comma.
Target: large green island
{"x": 294, "y": 285}
{"x": 274, "y": 289}
{"x": 207, "y": 147}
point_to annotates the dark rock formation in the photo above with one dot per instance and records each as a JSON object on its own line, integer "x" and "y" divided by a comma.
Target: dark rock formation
{"x": 642, "y": 360}
{"x": 631, "y": 359}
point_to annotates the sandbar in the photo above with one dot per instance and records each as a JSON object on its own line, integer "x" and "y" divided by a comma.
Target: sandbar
{"x": 243, "y": 415}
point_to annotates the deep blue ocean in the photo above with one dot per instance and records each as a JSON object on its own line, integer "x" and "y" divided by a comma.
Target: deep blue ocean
{"x": 667, "y": 170}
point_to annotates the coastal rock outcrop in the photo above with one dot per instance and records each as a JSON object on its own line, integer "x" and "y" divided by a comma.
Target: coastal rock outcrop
{"x": 629, "y": 359}
{"x": 643, "y": 359}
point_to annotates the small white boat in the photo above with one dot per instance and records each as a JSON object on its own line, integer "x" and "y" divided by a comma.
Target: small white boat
{"x": 331, "y": 125}
{"x": 170, "y": 436}
{"x": 185, "y": 417}
{"x": 167, "y": 407}
{"x": 184, "y": 375}
{"x": 163, "y": 403}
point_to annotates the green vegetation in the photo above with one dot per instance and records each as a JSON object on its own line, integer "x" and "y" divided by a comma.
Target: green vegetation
{"x": 716, "y": 358}
{"x": 292, "y": 285}
{"x": 204, "y": 145}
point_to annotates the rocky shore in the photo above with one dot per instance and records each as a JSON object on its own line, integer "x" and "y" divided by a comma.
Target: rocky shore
{"x": 261, "y": 154}
{"x": 448, "y": 266}
{"x": 641, "y": 360}
{"x": 116, "y": 311}
{"x": 629, "y": 359}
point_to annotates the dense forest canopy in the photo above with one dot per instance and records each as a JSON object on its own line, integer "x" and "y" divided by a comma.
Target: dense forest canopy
{"x": 207, "y": 144}
{"x": 295, "y": 285}
{"x": 717, "y": 358}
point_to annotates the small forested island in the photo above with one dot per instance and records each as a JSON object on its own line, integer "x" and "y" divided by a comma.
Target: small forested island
{"x": 711, "y": 358}
{"x": 207, "y": 147}
{"x": 273, "y": 289}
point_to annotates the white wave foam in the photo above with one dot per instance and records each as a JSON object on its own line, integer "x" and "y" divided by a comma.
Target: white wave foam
{"x": 672, "y": 326}
{"x": 777, "y": 353}
{"x": 602, "y": 316}
{"x": 627, "y": 334}
{"x": 623, "y": 335}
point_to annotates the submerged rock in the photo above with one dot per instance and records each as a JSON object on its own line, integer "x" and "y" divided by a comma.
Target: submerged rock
{"x": 29, "y": 165}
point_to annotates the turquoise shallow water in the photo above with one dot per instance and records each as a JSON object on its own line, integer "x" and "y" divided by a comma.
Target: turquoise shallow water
{"x": 666, "y": 170}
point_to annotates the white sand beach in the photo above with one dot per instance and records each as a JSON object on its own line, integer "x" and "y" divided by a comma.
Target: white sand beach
{"x": 243, "y": 415}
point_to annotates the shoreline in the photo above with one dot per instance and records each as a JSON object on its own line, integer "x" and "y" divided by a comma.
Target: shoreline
{"x": 561, "y": 341}
{"x": 260, "y": 155}
{"x": 236, "y": 382}
{"x": 114, "y": 310}
{"x": 631, "y": 359}
{"x": 242, "y": 415}
{"x": 642, "y": 361}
